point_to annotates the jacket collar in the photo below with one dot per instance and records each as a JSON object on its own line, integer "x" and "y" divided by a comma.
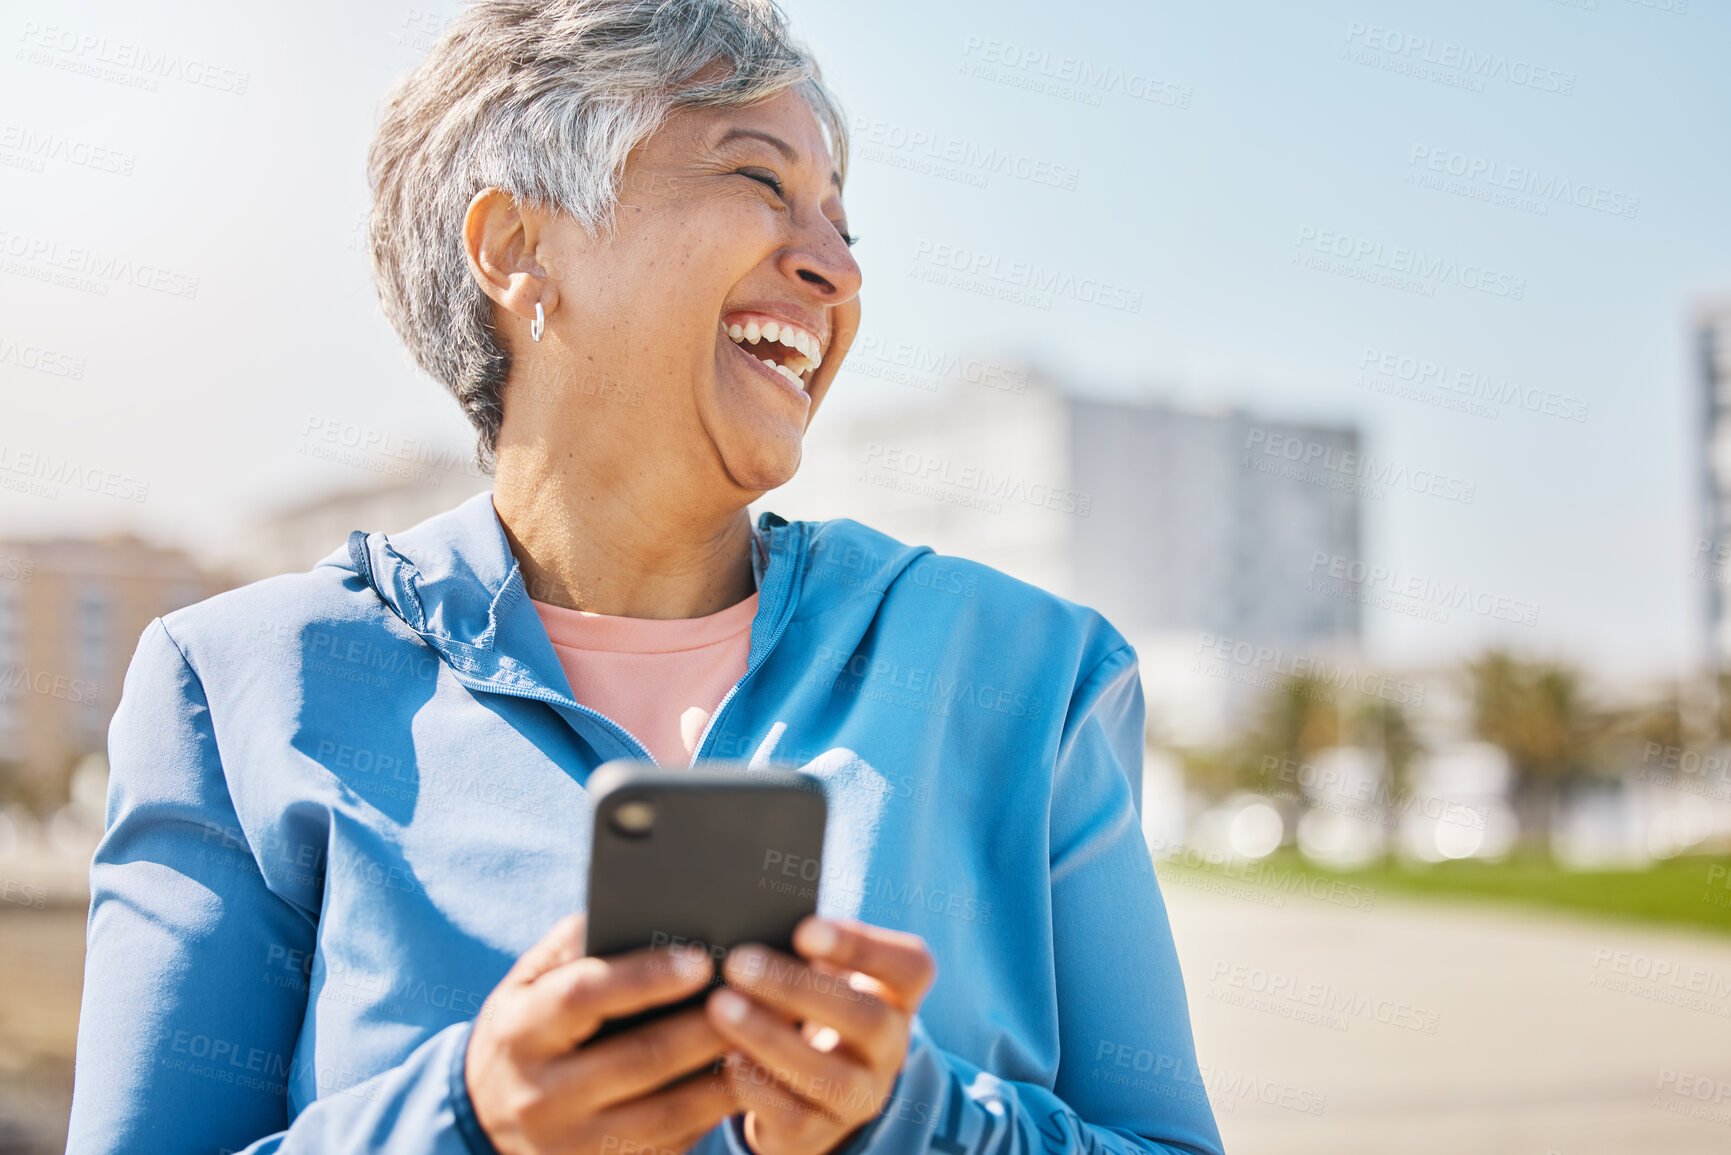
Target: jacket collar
{"x": 453, "y": 580}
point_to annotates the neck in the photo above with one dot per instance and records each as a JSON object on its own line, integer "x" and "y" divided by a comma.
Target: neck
{"x": 628, "y": 549}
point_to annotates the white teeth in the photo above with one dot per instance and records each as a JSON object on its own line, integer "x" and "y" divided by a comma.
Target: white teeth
{"x": 784, "y": 371}
{"x": 792, "y": 336}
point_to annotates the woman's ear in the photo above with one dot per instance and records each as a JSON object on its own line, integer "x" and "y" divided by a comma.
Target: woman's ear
{"x": 501, "y": 239}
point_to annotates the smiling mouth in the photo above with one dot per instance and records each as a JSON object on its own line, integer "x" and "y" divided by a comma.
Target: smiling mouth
{"x": 784, "y": 348}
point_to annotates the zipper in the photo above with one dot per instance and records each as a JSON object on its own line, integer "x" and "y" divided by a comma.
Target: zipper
{"x": 629, "y": 739}
{"x": 780, "y": 629}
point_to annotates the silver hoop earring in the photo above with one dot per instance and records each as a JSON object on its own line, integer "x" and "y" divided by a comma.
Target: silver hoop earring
{"x": 539, "y": 324}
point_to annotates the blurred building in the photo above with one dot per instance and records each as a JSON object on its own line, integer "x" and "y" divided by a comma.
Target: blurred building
{"x": 71, "y": 612}
{"x": 1188, "y": 529}
{"x": 1713, "y": 557}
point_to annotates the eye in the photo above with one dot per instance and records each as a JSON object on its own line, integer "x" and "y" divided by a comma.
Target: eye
{"x": 767, "y": 178}
{"x": 764, "y": 177}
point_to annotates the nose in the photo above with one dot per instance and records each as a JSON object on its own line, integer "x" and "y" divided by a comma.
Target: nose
{"x": 820, "y": 261}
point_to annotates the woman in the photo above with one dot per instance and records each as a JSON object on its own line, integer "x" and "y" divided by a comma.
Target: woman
{"x": 347, "y": 824}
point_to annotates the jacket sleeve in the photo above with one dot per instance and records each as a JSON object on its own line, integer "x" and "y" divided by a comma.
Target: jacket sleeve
{"x": 1127, "y": 1079}
{"x": 186, "y": 1034}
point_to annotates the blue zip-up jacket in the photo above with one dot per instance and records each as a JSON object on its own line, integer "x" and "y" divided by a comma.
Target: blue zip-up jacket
{"x": 343, "y": 802}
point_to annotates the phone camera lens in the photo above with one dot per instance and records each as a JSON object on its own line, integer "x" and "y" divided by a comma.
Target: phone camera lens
{"x": 634, "y": 818}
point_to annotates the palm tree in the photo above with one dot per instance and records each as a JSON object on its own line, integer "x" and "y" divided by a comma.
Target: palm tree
{"x": 1538, "y": 714}
{"x": 1298, "y": 720}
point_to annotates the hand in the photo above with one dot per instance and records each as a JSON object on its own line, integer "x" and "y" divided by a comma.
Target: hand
{"x": 536, "y": 1092}
{"x": 817, "y": 1046}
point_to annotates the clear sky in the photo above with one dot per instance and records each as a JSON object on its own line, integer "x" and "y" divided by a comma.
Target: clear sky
{"x": 1543, "y": 183}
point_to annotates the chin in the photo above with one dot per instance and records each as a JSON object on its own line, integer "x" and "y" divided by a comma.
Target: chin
{"x": 768, "y": 464}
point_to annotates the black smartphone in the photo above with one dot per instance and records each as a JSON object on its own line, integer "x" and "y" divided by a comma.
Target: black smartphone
{"x": 716, "y": 856}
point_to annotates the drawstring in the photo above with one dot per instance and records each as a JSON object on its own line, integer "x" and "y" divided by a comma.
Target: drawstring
{"x": 358, "y": 554}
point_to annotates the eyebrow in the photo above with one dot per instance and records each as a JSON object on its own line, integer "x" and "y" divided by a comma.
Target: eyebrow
{"x": 787, "y": 150}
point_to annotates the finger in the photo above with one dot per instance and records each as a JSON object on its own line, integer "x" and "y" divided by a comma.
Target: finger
{"x": 567, "y": 1004}
{"x": 670, "y": 1120}
{"x": 818, "y": 992}
{"x": 561, "y": 944}
{"x": 899, "y": 960}
{"x": 776, "y": 1119}
{"x": 630, "y": 1065}
{"x": 831, "y": 1082}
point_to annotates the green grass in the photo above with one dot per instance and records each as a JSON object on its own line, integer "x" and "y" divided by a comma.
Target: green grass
{"x": 1692, "y": 890}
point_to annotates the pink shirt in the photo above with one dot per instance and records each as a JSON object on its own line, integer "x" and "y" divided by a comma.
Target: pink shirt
{"x": 661, "y": 679}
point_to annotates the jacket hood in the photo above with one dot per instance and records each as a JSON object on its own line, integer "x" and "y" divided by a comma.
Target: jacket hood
{"x": 454, "y": 581}
{"x": 452, "y": 576}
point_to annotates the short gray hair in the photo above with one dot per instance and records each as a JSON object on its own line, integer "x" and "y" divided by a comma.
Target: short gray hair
{"x": 544, "y": 99}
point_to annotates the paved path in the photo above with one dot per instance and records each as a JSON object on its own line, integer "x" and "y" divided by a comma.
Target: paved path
{"x": 41, "y": 977}
{"x": 1352, "y": 1027}
{"x": 1321, "y": 1027}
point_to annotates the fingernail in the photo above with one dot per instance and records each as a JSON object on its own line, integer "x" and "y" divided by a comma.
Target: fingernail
{"x": 820, "y": 937}
{"x": 730, "y": 1006}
